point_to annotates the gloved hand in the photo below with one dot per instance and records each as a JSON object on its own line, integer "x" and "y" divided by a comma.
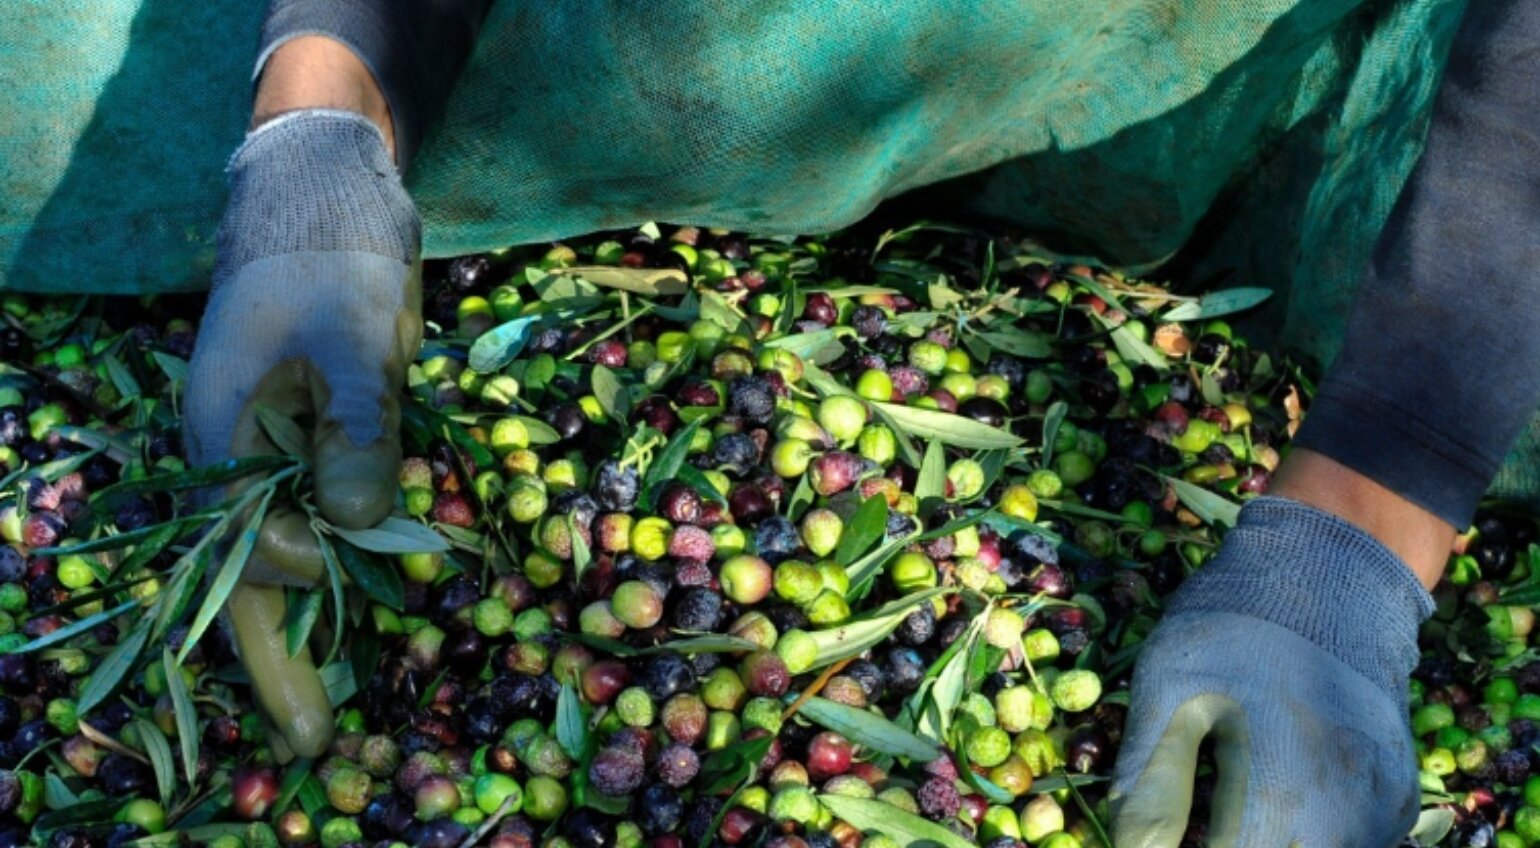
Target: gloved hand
{"x": 315, "y": 311}
{"x": 1291, "y": 652}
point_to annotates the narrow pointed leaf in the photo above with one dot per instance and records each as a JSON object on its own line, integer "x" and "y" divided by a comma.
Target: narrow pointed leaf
{"x": 501, "y": 344}
{"x": 394, "y": 536}
{"x": 866, "y": 527}
{"x": 947, "y": 428}
{"x": 115, "y": 667}
{"x": 666, "y": 466}
{"x": 187, "y": 736}
{"x": 1215, "y": 304}
{"x": 571, "y": 726}
{"x": 869, "y": 814}
{"x": 229, "y": 575}
{"x": 283, "y": 432}
{"x": 377, "y": 577}
{"x": 1209, "y": 506}
{"x": 158, "y": 749}
{"x": 1052, "y": 421}
{"x": 70, "y": 631}
{"x": 869, "y": 730}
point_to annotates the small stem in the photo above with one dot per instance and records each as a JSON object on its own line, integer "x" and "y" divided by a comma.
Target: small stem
{"x": 816, "y": 687}
{"x": 492, "y": 821}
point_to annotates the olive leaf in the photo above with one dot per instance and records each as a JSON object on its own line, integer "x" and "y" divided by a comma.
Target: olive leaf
{"x": 611, "y": 395}
{"x": 339, "y": 682}
{"x": 732, "y": 765}
{"x": 131, "y": 537}
{"x": 650, "y": 282}
{"x": 869, "y": 525}
{"x": 1213, "y": 393}
{"x": 1217, "y": 303}
{"x": 855, "y": 636}
{"x": 719, "y": 311}
{"x": 906, "y": 828}
{"x": 705, "y": 643}
{"x": 945, "y": 427}
{"x": 571, "y": 725}
{"x": 83, "y": 814}
{"x": 869, "y": 730}
{"x": 1134, "y": 349}
{"x": 951, "y": 684}
{"x": 1018, "y": 342}
{"x": 114, "y": 496}
{"x": 906, "y": 449}
{"x": 696, "y": 479}
{"x": 186, "y": 713}
{"x": 121, "y": 379}
{"x": 229, "y": 574}
{"x": 864, "y": 570}
{"x": 540, "y": 433}
{"x": 827, "y": 386}
{"x": 1095, "y": 287}
{"x": 801, "y": 498}
{"x": 120, "y": 451}
{"x": 666, "y": 466}
{"x": 931, "y": 482}
{"x": 501, "y": 344}
{"x": 1062, "y": 780}
{"x": 1432, "y": 825}
{"x": 1211, "y": 507}
{"x": 614, "y": 647}
{"x": 363, "y": 653}
{"x": 293, "y": 778}
{"x": 1052, "y": 421}
{"x": 79, "y": 599}
{"x": 424, "y": 426}
{"x": 158, "y": 749}
{"x": 281, "y": 430}
{"x": 581, "y": 555}
{"x": 394, "y": 535}
{"x": 70, "y": 631}
{"x": 819, "y": 347}
{"x": 1072, "y": 508}
{"x": 954, "y": 525}
{"x": 175, "y": 368}
{"x": 573, "y": 293}
{"x": 379, "y": 580}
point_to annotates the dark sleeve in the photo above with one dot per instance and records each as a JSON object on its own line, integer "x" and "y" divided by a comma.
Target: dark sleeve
{"x": 1440, "y": 369}
{"x": 414, "y": 48}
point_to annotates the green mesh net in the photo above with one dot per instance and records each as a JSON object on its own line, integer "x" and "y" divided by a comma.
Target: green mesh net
{"x": 1257, "y": 143}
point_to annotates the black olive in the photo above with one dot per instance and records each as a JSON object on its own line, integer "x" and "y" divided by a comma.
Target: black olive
{"x": 984, "y": 410}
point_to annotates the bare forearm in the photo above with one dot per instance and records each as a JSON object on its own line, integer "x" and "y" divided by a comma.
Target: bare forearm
{"x": 315, "y": 72}
{"x": 392, "y": 60}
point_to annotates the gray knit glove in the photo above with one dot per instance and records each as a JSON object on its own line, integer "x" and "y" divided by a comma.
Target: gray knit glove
{"x": 1290, "y": 652}
{"x": 315, "y": 312}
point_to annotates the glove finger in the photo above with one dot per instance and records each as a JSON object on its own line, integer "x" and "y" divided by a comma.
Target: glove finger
{"x": 355, "y": 389}
{"x": 1153, "y": 813}
{"x": 1232, "y": 761}
{"x": 289, "y": 689}
{"x": 287, "y": 552}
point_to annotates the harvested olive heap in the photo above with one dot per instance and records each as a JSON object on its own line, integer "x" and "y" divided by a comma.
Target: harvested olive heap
{"x": 701, "y": 540}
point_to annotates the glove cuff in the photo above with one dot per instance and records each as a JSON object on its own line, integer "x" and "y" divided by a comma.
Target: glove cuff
{"x": 315, "y": 180}
{"x": 1321, "y": 577}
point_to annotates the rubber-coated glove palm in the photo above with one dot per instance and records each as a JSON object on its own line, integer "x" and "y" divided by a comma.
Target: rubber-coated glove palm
{"x": 315, "y": 311}
{"x": 1291, "y": 653}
